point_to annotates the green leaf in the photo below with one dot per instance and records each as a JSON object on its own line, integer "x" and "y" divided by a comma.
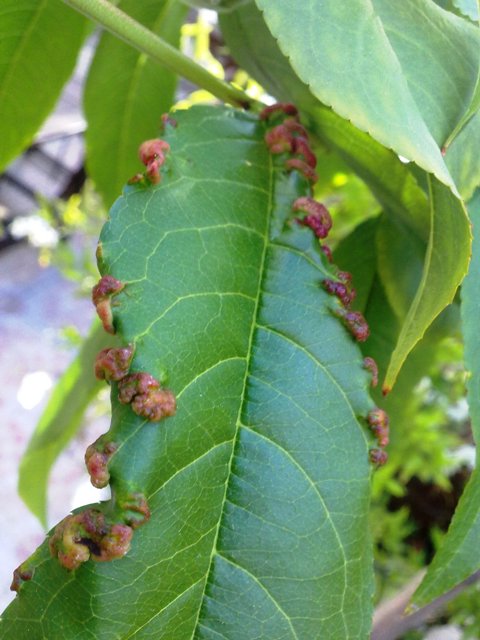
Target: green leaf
{"x": 59, "y": 423}
{"x": 259, "y": 485}
{"x": 459, "y": 555}
{"x": 446, "y": 263}
{"x": 400, "y": 260}
{"x": 39, "y": 43}
{"x": 338, "y": 48}
{"x": 126, "y": 94}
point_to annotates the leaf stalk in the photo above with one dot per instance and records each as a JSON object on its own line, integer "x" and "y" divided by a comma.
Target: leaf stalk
{"x": 135, "y": 34}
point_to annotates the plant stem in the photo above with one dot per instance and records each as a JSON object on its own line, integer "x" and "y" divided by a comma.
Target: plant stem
{"x": 139, "y": 37}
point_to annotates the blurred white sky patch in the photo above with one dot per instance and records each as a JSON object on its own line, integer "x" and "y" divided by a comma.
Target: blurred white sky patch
{"x": 33, "y": 388}
{"x": 36, "y": 229}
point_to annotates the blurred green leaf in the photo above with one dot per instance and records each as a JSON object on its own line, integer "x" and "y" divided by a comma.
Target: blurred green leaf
{"x": 60, "y": 421}
{"x": 39, "y": 43}
{"x": 125, "y": 96}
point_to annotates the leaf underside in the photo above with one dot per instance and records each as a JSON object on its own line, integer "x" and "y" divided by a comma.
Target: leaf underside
{"x": 259, "y": 484}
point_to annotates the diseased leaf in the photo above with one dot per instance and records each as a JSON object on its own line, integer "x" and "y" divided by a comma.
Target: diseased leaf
{"x": 59, "y": 422}
{"x": 258, "y": 486}
{"x": 126, "y": 94}
{"x": 459, "y": 555}
{"x": 39, "y": 42}
{"x": 446, "y": 263}
{"x": 338, "y": 48}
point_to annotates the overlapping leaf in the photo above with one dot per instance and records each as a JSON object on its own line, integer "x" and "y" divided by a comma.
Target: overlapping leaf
{"x": 459, "y": 555}
{"x": 428, "y": 59}
{"x": 39, "y": 43}
{"x": 126, "y": 94}
{"x": 259, "y": 485}
{"x": 446, "y": 263}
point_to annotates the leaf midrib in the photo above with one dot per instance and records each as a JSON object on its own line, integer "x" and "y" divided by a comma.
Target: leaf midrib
{"x": 248, "y": 358}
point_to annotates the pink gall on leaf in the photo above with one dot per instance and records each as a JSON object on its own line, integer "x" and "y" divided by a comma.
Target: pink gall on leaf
{"x": 282, "y": 108}
{"x": 371, "y": 365}
{"x": 113, "y": 364}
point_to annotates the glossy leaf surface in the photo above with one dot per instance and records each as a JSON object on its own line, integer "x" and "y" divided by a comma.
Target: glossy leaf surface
{"x": 459, "y": 554}
{"x": 39, "y": 43}
{"x": 338, "y": 48}
{"x": 59, "y": 422}
{"x": 126, "y": 94}
{"x": 259, "y": 485}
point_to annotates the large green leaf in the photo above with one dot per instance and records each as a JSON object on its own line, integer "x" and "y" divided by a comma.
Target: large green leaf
{"x": 459, "y": 555}
{"x": 126, "y": 94}
{"x": 427, "y": 56}
{"x": 39, "y": 43}
{"x": 259, "y": 485}
{"x": 59, "y": 422}
{"x": 446, "y": 263}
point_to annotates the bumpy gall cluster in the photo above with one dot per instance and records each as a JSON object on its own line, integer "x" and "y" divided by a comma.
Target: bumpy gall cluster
{"x": 289, "y": 136}
{"x": 146, "y": 396}
{"x": 378, "y": 457}
{"x": 379, "y": 424}
{"x": 371, "y": 365}
{"x": 354, "y": 322}
{"x": 102, "y": 293}
{"x": 89, "y": 534}
{"x": 317, "y": 216}
{"x": 22, "y": 574}
{"x": 97, "y": 457}
{"x": 152, "y": 154}
{"x": 113, "y": 364}
{"x": 341, "y": 288}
